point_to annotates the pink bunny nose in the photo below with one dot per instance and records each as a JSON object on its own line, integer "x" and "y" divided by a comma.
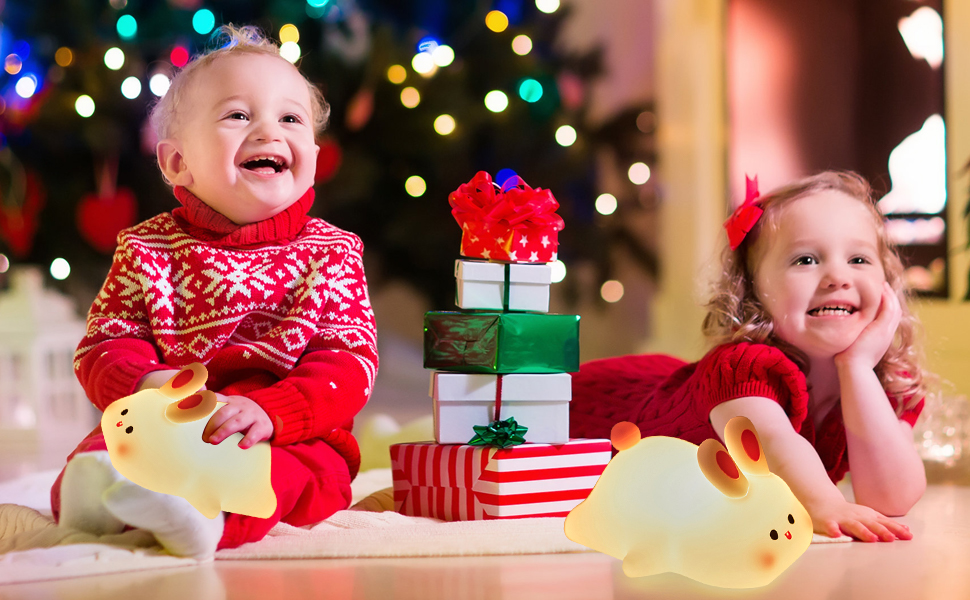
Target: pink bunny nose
{"x": 788, "y": 534}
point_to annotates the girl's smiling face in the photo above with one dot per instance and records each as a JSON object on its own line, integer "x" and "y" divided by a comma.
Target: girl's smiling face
{"x": 819, "y": 273}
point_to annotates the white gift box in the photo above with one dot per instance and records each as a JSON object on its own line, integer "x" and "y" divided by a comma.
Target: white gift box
{"x": 539, "y": 402}
{"x": 481, "y": 285}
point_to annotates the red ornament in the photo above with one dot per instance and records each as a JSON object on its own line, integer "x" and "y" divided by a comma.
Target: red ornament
{"x": 328, "y": 160}
{"x": 18, "y": 223}
{"x": 100, "y": 219}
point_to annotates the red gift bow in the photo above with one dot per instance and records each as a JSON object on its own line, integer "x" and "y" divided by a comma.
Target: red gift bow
{"x": 746, "y": 216}
{"x": 517, "y": 207}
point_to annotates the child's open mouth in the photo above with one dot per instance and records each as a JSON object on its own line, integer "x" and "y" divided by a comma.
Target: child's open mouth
{"x": 265, "y": 165}
{"x": 837, "y": 310}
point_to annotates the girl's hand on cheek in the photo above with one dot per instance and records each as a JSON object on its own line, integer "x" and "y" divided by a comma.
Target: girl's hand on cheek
{"x": 860, "y": 522}
{"x": 240, "y": 414}
{"x": 868, "y": 349}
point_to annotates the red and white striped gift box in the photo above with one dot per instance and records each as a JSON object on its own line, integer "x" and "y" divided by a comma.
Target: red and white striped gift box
{"x": 462, "y": 483}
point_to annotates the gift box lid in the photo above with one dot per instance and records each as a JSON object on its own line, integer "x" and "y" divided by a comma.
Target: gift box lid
{"x": 472, "y": 270}
{"x": 469, "y": 387}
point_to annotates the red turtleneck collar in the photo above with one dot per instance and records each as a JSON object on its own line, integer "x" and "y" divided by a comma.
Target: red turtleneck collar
{"x": 201, "y": 221}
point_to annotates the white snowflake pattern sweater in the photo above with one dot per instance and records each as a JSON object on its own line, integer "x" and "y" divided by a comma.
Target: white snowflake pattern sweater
{"x": 278, "y": 311}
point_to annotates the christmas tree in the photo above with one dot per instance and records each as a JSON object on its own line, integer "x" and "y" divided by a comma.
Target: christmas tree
{"x": 423, "y": 94}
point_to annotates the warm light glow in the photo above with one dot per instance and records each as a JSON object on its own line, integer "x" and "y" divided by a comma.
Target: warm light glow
{"x": 289, "y": 33}
{"x": 639, "y": 173}
{"x": 905, "y": 232}
{"x": 530, "y": 90}
{"x": 127, "y": 27}
{"x": 522, "y": 44}
{"x": 496, "y": 101}
{"x": 114, "y": 58}
{"x": 443, "y": 56}
{"x": 131, "y": 88}
{"x": 26, "y": 86}
{"x": 203, "y": 21}
{"x": 410, "y": 97}
{"x": 611, "y": 291}
{"x": 60, "y": 269}
{"x": 606, "y": 204}
{"x": 84, "y": 105}
{"x": 12, "y": 64}
{"x": 497, "y": 21}
{"x": 397, "y": 74}
{"x": 917, "y": 169}
{"x": 558, "y": 271}
{"x": 290, "y": 51}
{"x": 4, "y": 263}
{"x": 923, "y": 33}
{"x": 444, "y": 124}
{"x": 158, "y": 84}
{"x": 63, "y": 57}
{"x": 547, "y": 6}
{"x": 415, "y": 186}
{"x": 566, "y": 135}
{"x": 423, "y": 63}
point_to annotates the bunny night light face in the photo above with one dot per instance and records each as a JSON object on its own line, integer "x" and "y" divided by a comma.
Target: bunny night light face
{"x": 714, "y": 515}
{"x": 154, "y": 439}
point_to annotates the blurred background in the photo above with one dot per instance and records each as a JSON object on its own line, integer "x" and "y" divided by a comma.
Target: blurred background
{"x": 641, "y": 116}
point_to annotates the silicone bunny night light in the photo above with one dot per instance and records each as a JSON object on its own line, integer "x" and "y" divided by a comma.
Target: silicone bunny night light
{"x": 714, "y": 515}
{"x": 154, "y": 438}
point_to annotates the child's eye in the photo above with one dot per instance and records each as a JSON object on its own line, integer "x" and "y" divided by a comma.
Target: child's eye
{"x": 859, "y": 260}
{"x": 238, "y": 115}
{"x": 291, "y": 119}
{"x": 806, "y": 260}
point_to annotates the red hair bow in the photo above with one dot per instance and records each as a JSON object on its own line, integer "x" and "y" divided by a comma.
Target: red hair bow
{"x": 746, "y": 216}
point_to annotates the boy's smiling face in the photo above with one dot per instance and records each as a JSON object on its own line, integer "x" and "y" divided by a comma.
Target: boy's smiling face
{"x": 244, "y": 141}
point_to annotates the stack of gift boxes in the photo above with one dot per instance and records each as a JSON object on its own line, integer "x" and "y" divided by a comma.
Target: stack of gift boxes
{"x": 501, "y": 383}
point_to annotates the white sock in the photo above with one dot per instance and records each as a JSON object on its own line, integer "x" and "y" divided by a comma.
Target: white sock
{"x": 86, "y": 477}
{"x": 176, "y": 524}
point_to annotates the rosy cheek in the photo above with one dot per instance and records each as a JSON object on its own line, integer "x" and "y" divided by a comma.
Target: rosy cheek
{"x": 766, "y": 560}
{"x": 123, "y": 450}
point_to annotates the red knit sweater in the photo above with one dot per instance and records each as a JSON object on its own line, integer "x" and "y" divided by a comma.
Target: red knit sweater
{"x": 667, "y": 396}
{"x": 278, "y": 311}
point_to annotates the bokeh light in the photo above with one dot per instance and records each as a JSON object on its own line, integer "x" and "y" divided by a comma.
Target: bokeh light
{"x": 179, "y": 56}
{"x": 423, "y": 63}
{"x": 522, "y": 44}
{"x": 203, "y": 21}
{"x": 397, "y": 74}
{"x": 646, "y": 121}
{"x": 114, "y": 58}
{"x": 566, "y": 135}
{"x": 26, "y": 86}
{"x": 639, "y": 173}
{"x": 547, "y": 6}
{"x": 410, "y": 97}
{"x": 444, "y": 124}
{"x": 415, "y": 186}
{"x": 64, "y": 56}
{"x": 12, "y": 64}
{"x": 131, "y": 88}
{"x": 496, "y": 101}
{"x": 127, "y": 27}
{"x": 443, "y": 56}
{"x": 4, "y": 263}
{"x": 317, "y": 3}
{"x": 289, "y": 33}
{"x": 159, "y": 83}
{"x": 290, "y": 51}
{"x": 60, "y": 269}
{"x": 84, "y": 105}
{"x": 118, "y": 4}
{"x": 530, "y": 90}
{"x": 606, "y": 204}
{"x": 558, "y": 271}
{"x": 497, "y": 21}
{"x": 611, "y": 290}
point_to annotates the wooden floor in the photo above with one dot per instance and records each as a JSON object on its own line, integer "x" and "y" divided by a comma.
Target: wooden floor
{"x": 933, "y": 566}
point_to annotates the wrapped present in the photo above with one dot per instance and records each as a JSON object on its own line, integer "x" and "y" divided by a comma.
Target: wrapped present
{"x": 489, "y": 342}
{"x": 514, "y": 223}
{"x": 502, "y": 286}
{"x": 538, "y": 402}
{"x": 461, "y": 483}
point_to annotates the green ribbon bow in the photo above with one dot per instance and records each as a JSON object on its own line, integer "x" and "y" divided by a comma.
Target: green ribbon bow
{"x": 499, "y": 433}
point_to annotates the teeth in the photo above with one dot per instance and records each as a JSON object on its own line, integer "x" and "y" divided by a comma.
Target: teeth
{"x": 831, "y": 310}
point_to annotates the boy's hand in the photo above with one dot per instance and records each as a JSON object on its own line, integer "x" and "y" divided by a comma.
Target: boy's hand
{"x": 860, "y": 522}
{"x": 868, "y": 349}
{"x": 240, "y": 414}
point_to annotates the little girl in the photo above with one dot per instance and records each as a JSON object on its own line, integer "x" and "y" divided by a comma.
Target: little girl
{"x": 813, "y": 342}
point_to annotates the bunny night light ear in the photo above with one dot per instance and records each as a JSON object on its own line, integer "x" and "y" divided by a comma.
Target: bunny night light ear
{"x": 154, "y": 439}
{"x": 715, "y": 515}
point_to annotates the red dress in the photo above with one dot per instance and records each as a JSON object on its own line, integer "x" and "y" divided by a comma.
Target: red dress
{"x": 667, "y": 396}
{"x": 278, "y": 311}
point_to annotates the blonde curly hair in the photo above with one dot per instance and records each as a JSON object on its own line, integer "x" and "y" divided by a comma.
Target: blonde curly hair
{"x": 735, "y": 314}
{"x": 231, "y": 41}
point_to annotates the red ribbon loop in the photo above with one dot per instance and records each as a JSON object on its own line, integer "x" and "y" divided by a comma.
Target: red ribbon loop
{"x": 516, "y": 207}
{"x": 743, "y": 220}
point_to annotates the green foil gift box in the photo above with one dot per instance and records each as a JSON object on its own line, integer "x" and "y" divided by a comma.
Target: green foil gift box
{"x": 490, "y": 342}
